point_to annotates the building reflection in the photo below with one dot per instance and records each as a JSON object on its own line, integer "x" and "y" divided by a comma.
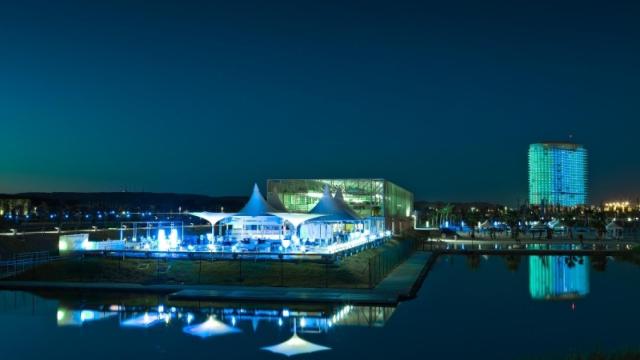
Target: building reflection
{"x": 558, "y": 277}
{"x": 225, "y": 318}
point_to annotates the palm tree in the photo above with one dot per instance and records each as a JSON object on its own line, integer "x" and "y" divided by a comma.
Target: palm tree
{"x": 513, "y": 262}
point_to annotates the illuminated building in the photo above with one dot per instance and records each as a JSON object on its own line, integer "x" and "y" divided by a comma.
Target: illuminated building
{"x": 259, "y": 228}
{"x": 558, "y": 277}
{"x": 15, "y": 206}
{"x": 330, "y": 226}
{"x": 557, "y": 174}
{"x": 367, "y": 197}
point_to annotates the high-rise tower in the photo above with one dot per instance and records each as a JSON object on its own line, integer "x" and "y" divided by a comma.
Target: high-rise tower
{"x": 557, "y": 174}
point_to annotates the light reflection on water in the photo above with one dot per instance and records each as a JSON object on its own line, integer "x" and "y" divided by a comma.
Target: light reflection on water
{"x": 558, "y": 277}
{"x": 307, "y": 320}
{"x": 514, "y": 298}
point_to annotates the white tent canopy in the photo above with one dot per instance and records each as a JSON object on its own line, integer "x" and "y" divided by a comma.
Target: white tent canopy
{"x": 295, "y": 346}
{"x": 211, "y": 217}
{"x": 334, "y": 209}
{"x": 342, "y": 204}
{"x": 296, "y": 218}
{"x": 211, "y": 327}
{"x": 613, "y": 225}
{"x": 257, "y": 205}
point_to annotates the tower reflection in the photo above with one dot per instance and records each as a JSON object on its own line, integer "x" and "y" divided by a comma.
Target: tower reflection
{"x": 558, "y": 277}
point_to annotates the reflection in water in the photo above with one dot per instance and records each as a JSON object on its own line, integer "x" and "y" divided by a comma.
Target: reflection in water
{"x": 225, "y": 319}
{"x": 295, "y": 346}
{"x": 145, "y": 320}
{"x": 558, "y": 277}
{"x": 78, "y": 317}
{"x": 216, "y": 320}
{"x": 222, "y": 320}
{"x": 211, "y": 327}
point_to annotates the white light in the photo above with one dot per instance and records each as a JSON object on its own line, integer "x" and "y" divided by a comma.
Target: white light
{"x": 143, "y": 321}
{"x": 173, "y": 238}
{"x": 86, "y": 315}
{"x": 211, "y": 327}
{"x": 163, "y": 245}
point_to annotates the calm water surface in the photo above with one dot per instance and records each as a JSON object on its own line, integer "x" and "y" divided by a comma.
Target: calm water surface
{"x": 467, "y": 308}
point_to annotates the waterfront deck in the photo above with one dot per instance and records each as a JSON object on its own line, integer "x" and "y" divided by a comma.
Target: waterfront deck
{"x": 400, "y": 284}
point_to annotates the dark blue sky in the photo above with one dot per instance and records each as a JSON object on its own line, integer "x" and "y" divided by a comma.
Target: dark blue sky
{"x": 442, "y": 98}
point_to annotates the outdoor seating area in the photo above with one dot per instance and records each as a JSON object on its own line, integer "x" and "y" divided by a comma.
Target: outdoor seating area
{"x": 260, "y": 227}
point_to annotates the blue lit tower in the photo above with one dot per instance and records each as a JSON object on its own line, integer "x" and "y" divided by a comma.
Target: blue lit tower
{"x": 557, "y": 174}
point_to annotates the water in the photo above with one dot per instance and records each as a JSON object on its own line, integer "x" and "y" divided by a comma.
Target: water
{"x": 467, "y": 308}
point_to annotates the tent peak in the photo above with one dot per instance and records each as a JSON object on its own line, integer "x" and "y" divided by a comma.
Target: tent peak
{"x": 257, "y": 205}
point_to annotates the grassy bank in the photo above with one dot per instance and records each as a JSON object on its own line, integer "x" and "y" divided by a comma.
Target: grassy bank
{"x": 351, "y": 272}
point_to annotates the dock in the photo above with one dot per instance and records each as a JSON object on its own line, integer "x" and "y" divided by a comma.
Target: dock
{"x": 401, "y": 284}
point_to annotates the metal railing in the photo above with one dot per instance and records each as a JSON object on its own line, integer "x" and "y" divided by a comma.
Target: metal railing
{"x": 24, "y": 261}
{"x": 386, "y": 261}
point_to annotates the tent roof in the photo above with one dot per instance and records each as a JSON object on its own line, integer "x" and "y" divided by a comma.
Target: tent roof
{"x": 257, "y": 205}
{"x": 211, "y": 327}
{"x": 211, "y": 217}
{"x": 614, "y": 225}
{"x": 332, "y": 209}
{"x": 295, "y": 346}
{"x": 296, "y": 218}
{"x": 339, "y": 199}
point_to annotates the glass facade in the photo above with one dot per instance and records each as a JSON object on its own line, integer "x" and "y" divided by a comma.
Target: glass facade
{"x": 367, "y": 197}
{"x": 557, "y": 174}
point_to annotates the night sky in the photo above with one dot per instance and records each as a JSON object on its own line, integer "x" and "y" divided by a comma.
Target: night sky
{"x": 442, "y": 98}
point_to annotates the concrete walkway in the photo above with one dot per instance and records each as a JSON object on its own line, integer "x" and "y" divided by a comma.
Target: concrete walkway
{"x": 406, "y": 278}
{"x": 400, "y": 284}
{"x": 287, "y": 295}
